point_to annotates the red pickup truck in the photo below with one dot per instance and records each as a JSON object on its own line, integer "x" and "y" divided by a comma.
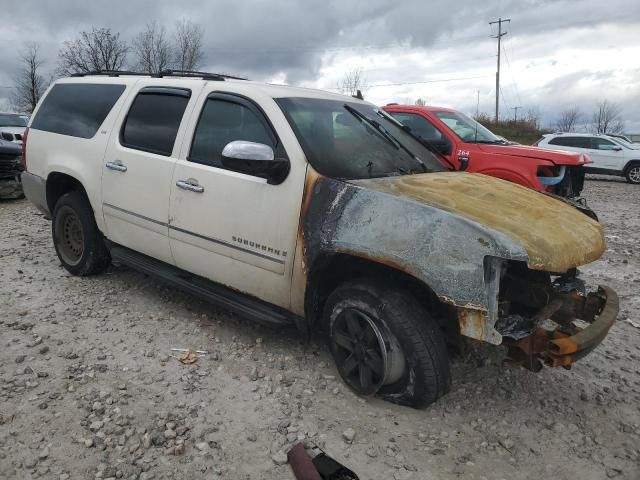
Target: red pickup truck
{"x": 464, "y": 144}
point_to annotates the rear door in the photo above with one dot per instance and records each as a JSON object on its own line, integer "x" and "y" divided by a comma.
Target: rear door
{"x": 138, "y": 167}
{"x": 230, "y": 227}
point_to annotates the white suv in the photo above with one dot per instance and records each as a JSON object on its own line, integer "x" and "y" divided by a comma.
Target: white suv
{"x": 296, "y": 206}
{"x": 610, "y": 155}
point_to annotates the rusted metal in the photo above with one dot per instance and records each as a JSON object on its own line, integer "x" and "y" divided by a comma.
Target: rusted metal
{"x": 471, "y": 323}
{"x": 559, "y": 349}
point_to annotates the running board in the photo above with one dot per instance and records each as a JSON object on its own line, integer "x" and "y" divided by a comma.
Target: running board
{"x": 225, "y": 297}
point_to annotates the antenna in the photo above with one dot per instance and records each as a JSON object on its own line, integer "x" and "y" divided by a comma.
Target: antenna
{"x": 475, "y": 139}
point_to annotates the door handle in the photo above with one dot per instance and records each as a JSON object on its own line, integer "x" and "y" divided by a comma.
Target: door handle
{"x": 117, "y": 166}
{"x": 191, "y": 185}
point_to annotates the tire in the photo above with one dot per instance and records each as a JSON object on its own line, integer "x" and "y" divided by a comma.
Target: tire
{"x": 632, "y": 173}
{"x": 78, "y": 242}
{"x": 415, "y": 366}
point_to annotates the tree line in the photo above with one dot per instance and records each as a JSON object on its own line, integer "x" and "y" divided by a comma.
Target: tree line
{"x": 151, "y": 51}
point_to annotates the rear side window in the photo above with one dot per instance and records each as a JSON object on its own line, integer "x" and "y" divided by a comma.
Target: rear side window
{"x": 153, "y": 120}
{"x": 579, "y": 142}
{"x": 76, "y": 109}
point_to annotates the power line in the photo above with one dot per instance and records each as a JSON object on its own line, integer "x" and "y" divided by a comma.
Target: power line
{"x": 515, "y": 113}
{"x": 513, "y": 76}
{"x": 419, "y": 83}
{"x": 499, "y": 36}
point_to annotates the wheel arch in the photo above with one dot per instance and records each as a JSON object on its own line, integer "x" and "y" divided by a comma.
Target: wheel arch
{"x": 329, "y": 271}
{"x": 58, "y": 184}
{"x": 630, "y": 163}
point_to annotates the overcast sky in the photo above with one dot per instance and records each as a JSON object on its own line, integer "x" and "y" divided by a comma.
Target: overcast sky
{"x": 558, "y": 53}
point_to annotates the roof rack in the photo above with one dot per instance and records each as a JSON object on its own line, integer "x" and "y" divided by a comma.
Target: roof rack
{"x": 107, "y": 73}
{"x": 194, "y": 73}
{"x": 163, "y": 73}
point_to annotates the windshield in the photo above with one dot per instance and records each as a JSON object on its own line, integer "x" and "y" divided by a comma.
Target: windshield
{"x": 467, "y": 128}
{"x": 10, "y": 120}
{"x": 344, "y": 139}
{"x": 624, "y": 143}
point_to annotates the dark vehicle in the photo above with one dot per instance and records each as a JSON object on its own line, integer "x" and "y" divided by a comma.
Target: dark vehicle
{"x": 10, "y": 170}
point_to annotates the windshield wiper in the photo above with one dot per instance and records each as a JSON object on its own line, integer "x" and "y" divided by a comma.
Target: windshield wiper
{"x": 372, "y": 123}
{"x": 490, "y": 142}
{"x": 385, "y": 133}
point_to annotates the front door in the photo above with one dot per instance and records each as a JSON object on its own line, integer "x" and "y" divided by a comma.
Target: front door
{"x": 138, "y": 168}
{"x": 230, "y": 227}
{"x": 606, "y": 154}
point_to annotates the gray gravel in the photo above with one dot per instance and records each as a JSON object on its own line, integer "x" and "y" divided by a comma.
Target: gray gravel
{"x": 88, "y": 387}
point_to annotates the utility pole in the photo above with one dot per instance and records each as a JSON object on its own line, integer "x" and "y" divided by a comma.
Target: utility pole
{"x": 501, "y": 34}
{"x": 515, "y": 113}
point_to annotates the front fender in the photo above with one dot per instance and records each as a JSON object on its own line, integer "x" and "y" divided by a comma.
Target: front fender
{"x": 445, "y": 251}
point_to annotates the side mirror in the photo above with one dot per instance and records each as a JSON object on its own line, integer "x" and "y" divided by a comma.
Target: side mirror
{"x": 617, "y": 149}
{"x": 443, "y": 146}
{"x": 255, "y": 159}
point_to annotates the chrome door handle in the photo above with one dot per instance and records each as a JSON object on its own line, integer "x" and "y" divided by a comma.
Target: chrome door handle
{"x": 190, "y": 185}
{"x": 117, "y": 166}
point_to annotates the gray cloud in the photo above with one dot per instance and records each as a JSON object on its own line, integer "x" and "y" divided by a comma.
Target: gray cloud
{"x": 294, "y": 40}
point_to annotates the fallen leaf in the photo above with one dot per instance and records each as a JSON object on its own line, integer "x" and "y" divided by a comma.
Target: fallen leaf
{"x": 187, "y": 358}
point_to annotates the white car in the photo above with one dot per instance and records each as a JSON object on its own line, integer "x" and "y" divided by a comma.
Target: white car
{"x": 12, "y": 126}
{"x": 609, "y": 155}
{"x": 302, "y": 207}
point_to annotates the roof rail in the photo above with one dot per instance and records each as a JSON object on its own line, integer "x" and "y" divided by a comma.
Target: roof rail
{"x": 195, "y": 73}
{"x": 108, "y": 73}
{"x": 163, "y": 73}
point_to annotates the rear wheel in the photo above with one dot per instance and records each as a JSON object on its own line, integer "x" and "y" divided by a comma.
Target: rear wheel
{"x": 633, "y": 174}
{"x": 77, "y": 240}
{"x": 384, "y": 342}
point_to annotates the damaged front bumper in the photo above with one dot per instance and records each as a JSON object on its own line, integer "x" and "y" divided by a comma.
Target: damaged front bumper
{"x": 561, "y": 342}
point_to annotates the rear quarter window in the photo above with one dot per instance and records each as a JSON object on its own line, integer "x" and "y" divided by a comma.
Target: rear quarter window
{"x": 76, "y": 109}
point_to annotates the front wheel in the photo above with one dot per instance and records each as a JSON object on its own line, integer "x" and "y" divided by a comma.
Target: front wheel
{"x": 384, "y": 342}
{"x": 633, "y": 174}
{"x": 76, "y": 237}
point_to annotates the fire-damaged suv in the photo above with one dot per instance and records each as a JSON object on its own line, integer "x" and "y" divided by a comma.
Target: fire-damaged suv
{"x": 296, "y": 206}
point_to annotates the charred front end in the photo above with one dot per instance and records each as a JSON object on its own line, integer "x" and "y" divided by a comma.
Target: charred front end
{"x": 501, "y": 260}
{"x": 551, "y": 319}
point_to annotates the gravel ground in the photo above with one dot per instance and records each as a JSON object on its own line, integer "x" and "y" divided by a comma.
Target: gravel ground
{"x": 88, "y": 388}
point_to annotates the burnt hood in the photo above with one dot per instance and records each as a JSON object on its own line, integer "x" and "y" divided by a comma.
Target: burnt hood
{"x": 555, "y": 235}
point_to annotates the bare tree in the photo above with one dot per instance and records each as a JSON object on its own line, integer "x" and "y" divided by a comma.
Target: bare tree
{"x": 29, "y": 82}
{"x": 352, "y": 81}
{"x": 99, "y": 49}
{"x": 421, "y": 102}
{"x": 569, "y": 119}
{"x": 532, "y": 117}
{"x": 607, "y": 118}
{"x": 152, "y": 49}
{"x": 188, "y": 53}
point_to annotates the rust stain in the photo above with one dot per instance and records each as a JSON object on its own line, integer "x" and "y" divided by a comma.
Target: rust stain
{"x": 555, "y": 235}
{"x": 564, "y": 346}
{"x": 300, "y": 268}
{"x": 471, "y": 323}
